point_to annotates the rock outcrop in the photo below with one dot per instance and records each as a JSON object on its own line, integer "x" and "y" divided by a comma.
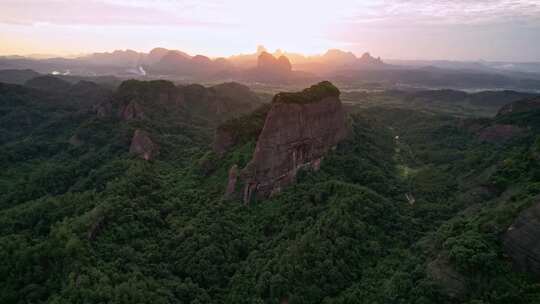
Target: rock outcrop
{"x": 143, "y": 146}
{"x": 269, "y": 63}
{"x": 270, "y": 69}
{"x": 131, "y": 111}
{"x": 231, "y": 184}
{"x": 300, "y": 128}
{"x": 522, "y": 240}
{"x": 369, "y": 60}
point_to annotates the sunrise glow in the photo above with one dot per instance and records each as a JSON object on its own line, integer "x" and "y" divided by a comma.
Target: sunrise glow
{"x": 475, "y": 29}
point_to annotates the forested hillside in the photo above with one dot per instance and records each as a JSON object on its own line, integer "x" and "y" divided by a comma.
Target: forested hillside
{"x": 411, "y": 207}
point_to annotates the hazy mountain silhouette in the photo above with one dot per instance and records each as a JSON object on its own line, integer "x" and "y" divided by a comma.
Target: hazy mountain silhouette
{"x": 281, "y": 67}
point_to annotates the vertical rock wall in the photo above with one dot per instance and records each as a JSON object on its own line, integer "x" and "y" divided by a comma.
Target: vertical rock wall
{"x": 297, "y": 133}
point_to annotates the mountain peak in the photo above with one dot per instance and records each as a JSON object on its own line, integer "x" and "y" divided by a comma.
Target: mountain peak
{"x": 368, "y": 59}
{"x": 339, "y": 56}
{"x": 293, "y": 138}
{"x": 268, "y": 62}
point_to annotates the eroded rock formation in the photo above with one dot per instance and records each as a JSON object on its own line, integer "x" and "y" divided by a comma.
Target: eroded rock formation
{"x": 231, "y": 184}
{"x": 268, "y": 62}
{"x": 300, "y": 128}
{"x": 131, "y": 111}
{"x": 143, "y": 146}
{"x": 522, "y": 240}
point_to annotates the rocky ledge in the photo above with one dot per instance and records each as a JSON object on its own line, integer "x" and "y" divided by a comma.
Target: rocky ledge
{"x": 299, "y": 129}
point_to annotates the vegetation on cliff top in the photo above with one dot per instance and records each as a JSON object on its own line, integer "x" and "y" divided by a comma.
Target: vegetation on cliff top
{"x": 132, "y": 88}
{"x": 312, "y": 94}
{"x": 248, "y": 126}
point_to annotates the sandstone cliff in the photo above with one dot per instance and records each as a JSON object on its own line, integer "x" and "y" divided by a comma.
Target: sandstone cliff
{"x": 522, "y": 240}
{"x": 514, "y": 120}
{"x": 231, "y": 184}
{"x": 300, "y": 128}
{"x": 131, "y": 111}
{"x": 143, "y": 146}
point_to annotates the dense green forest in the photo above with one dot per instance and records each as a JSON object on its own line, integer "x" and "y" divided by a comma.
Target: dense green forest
{"x": 410, "y": 208}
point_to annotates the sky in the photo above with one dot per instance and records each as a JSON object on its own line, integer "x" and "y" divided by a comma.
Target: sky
{"x": 502, "y": 30}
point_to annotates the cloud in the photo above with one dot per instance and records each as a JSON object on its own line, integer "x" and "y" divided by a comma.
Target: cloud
{"x": 387, "y": 27}
{"x": 445, "y": 12}
{"x": 247, "y": 13}
{"x": 101, "y": 13}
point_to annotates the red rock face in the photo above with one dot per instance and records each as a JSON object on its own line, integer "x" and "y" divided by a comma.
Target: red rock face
{"x": 143, "y": 146}
{"x": 295, "y": 136}
{"x": 131, "y": 111}
{"x": 231, "y": 184}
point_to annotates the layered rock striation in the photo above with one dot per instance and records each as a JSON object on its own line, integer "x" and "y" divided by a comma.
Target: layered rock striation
{"x": 299, "y": 129}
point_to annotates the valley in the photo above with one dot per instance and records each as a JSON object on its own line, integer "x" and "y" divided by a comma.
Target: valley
{"x": 269, "y": 152}
{"x": 121, "y": 195}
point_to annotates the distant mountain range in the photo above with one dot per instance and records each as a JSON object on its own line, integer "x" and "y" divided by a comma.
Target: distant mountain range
{"x": 282, "y": 67}
{"x": 488, "y": 66}
{"x": 165, "y": 62}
